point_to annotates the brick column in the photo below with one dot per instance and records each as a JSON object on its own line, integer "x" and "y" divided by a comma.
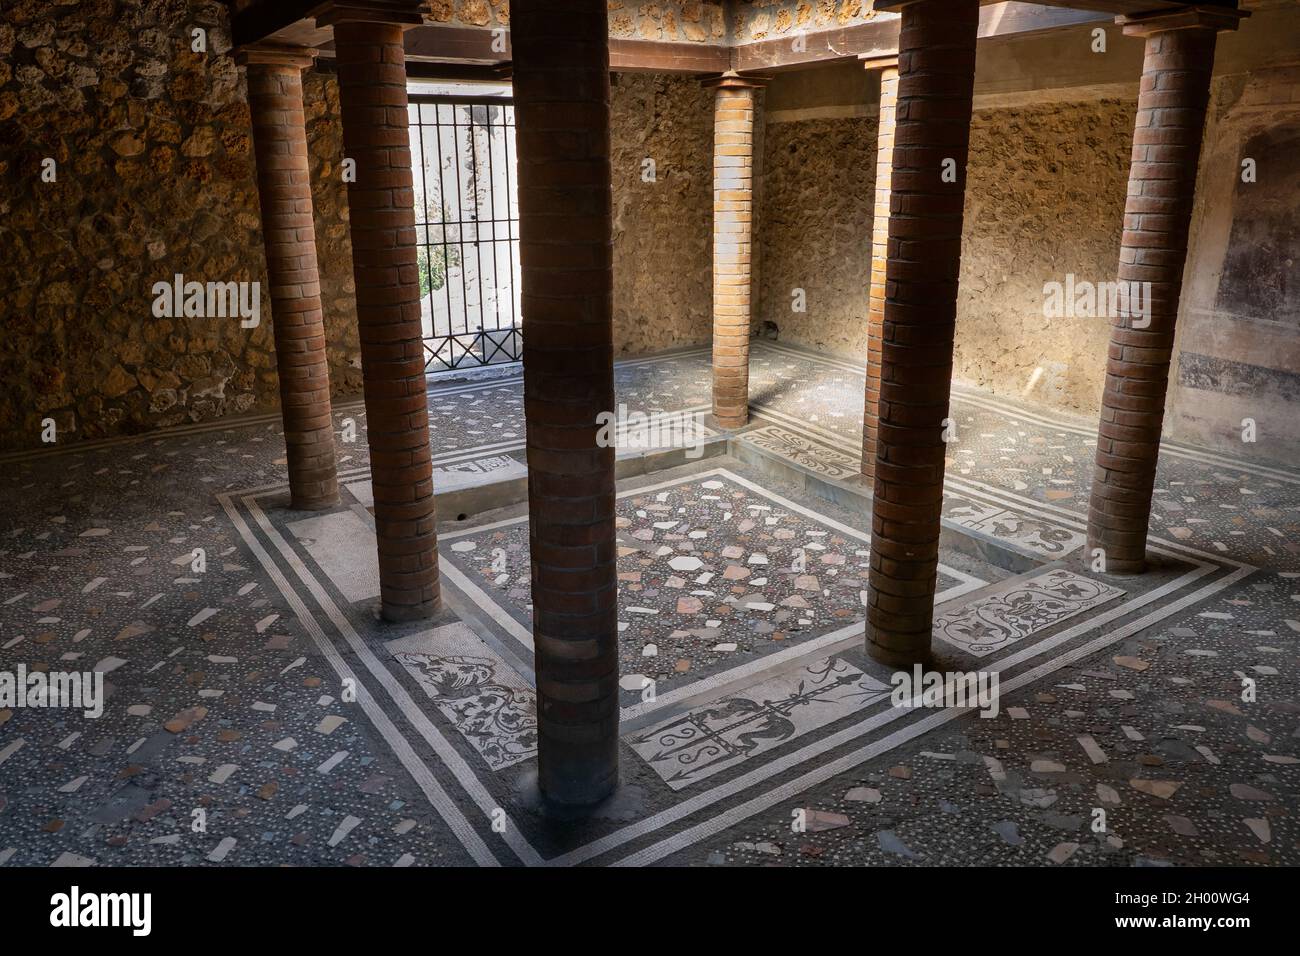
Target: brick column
{"x": 733, "y": 210}
{"x": 284, "y": 190}
{"x": 887, "y": 68}
{"x": 561, "y": 89}
{"x": 372, "y": 99}
{"x": 936, "y": 59}
{"x": 1162, "y": 182}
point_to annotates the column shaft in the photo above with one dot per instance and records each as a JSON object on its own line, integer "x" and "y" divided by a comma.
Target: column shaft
{"x": 1162, "y": 183}
{"x": 936, "y": 59}
{"x": 879, "y": 253}
{"x": 561, "y": 89}
{"x": 284, "y": 191}
{"x": 733, "y": 210}
{"x": 372, "y": 98}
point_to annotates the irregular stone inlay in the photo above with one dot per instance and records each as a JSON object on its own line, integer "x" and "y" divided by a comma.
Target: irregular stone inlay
{"x": 1022, "y": 609}
{"x": 813, "y": 455}
{"x": 724, "y": 732}
{"x": 486, "y": 701}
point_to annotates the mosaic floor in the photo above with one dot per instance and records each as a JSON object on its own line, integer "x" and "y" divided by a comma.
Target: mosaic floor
{"x": 258, "y": 714}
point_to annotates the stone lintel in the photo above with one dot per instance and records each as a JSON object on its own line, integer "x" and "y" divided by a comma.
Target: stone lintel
{"x": 731, "y": 80}
{"x": 276, "y": 54}
{"x": 879, "y": 62}
{"x": 1193, "y": 17}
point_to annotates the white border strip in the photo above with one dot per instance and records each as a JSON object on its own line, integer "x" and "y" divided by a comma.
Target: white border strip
{"x": 424, "y": 778}
{"x": 818, "y": 747}
{"x": 449, "y": 756}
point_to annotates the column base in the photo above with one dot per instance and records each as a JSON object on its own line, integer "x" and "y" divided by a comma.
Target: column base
{"x": 622, "y": 803}
{"x": 902, "y": 652}
{"x": 895, "y": 657}
{"x": 314, "y": 504}
{"x": 580, "y": 803}
{"x": 1125, "y": 567}
{"x": 1132, "y": 561}
{"x": 730, "y": 423}
{"x": 402, "y": 613}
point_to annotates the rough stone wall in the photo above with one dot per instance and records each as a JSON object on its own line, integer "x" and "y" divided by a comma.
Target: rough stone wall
{"x": 676, "y": 21}
{"x": 1044, "y": 197}
{"x": 663, "y": 249}
{"x": 764, "y": 19}
{"x": 154, "y": 177}
{"x": 815, "y": 232}
{"x": 477, "y": 13}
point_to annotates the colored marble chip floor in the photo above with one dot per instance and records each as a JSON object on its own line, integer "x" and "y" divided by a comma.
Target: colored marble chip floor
{"x": 258, "y": 713}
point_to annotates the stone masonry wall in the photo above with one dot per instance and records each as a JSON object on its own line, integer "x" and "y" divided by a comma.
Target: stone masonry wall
{"x": 677, "y": 21}
{"x": 766, "y": 19}
{"x": 663, "y": 229}
{"x": 815, "y": 232}
{"x": 154, "y": 177}
{"x": 1044, "y": 197}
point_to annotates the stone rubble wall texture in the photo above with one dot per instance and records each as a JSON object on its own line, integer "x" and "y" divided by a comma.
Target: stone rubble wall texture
{"x": 818, "y": 192}
{"x": 663, "y": 230}
{"x": 469, "y": 13}
{"x": 755, "y": 20}
{"x": 673, "y": 21}
{"x": 156, "y": 177}
{"x": 1044, "y": 196}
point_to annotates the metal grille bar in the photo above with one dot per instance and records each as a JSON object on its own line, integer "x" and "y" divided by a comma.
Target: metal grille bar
{"x": 467, "y": 229}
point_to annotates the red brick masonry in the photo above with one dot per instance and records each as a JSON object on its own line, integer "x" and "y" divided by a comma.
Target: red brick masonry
{"x": 936, "y": 61}
{"x": 1162, "y": 183}
{"x": 561, "y": 89}
{"x": 372, "y": 95}
{"x": 284, "y": 189}
{"x": 733, "y": 211}
{"x": 887, "y": 67}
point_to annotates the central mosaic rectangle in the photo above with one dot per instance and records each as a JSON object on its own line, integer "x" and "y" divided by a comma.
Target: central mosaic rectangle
{"x": 714, "y": 572}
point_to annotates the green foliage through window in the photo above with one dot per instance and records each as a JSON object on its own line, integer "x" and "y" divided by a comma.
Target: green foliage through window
{"x": 433, "y": 261}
